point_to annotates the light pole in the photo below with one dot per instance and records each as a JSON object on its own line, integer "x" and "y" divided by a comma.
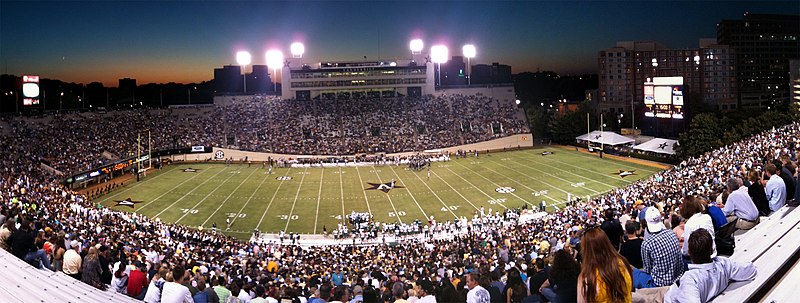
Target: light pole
{"x": 439, "y": 56}
{"x": 469, "y": 52}
{"x": 243, "y": 58}
{"x": 274, "y": 60}
{"x": 60, "y": 103}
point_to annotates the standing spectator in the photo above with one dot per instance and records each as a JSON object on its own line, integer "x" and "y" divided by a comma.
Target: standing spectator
{"x": 632, "y": 248}
{"x": 775, "y": 188}
{"x": 740, "y": 205}
{"x": 757, "y": 193}
{"x": 58, "y": 254}
{"x": 137, "y": 281}
{"x": 201, "y": 296}
{"x": 540, "y": 274}
{"x": 612, "y": 228}
{"x": 707, "y": 275}
{"x": 8, "y": 228}
{"x": 153, "y": 294}
{"x": 219, "y": 287}
{"x": 476, "y": 294}
{"x": 119, "y": 282}
{"x": 72, "y": 260}
{"x": 91, "y": 269}
{"x": 661, "y": 254}
{"x": 426, "y": 292}
{"x": 174, "y": 292}
{"x": 605, "y": 275}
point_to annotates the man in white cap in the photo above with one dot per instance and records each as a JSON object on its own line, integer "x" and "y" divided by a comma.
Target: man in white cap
{"x": 72, "y": 260}
{"x": 661, "y": 252}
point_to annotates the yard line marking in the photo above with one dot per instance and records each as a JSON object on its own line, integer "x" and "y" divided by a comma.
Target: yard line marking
{"x": 273, "y": 199}
{"x": 409, "y": 192}
{"x": 470, "y": 183}
{"x": 495, "y": 184}
{"x": 228, "y": 197}
{"x": 248, "y": 199}
{"x": 206, "y": 197}
{"x": 176, "y": 186}
{"x": 571, "y": 173}
{"x": 297, "y": 194}
{"x": 397, "y": 215}
{"x": 429, "y": 189}
{"x": 581, "y": 168}
{"x": 319, "y": 197}
{"x": 341, "y": 189}
{"x": 529, "y": 188}
{"x": 546, "y": 173}
{"x": 105, "y": 198}
{"x": 363, "y": 191}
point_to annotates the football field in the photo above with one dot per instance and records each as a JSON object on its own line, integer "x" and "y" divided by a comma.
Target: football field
{"x": 304, "y": 199}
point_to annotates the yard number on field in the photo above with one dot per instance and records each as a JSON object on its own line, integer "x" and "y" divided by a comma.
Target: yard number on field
{"x": 497, "y": 201}
{"x": 189, "y": 211}
{"x": 286, "y": 217}
{"x": 451, "y": 207}
{"x": 397, "y": 214}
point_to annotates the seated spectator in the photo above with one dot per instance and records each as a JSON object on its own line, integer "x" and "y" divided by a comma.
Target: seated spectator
{"x": 539, "y": 275}
{"x": 562, "y": 284}
{"x": 90, "y": 270}
{"x": 515, "y": 288}
{"x": 775, "y": 188}
{"x": 137, "y": 281}
{"x": 661, "y": 255}
{"x": 600, "y": 280}
{"x": 23, "y": 246}
{"x": 707, "y": 276}
{"x": 631, "y": 249}
{"x": 740, "y": 205}
{"x": 693, "y": 209}
{"x": 174, "y": 292}
{"x": 757, "y": 193}
{"x": 476, "y": 294}
{"x": 72, "y": 260}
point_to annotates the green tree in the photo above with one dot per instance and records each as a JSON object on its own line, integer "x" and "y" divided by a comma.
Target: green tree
{"x": 538, "y": 120}
{"x": 705, "y": 133}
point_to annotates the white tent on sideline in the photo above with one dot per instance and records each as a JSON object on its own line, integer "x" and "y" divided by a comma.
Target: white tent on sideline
{"x": 658, "y": 145}
{"x": 607, "y": 138}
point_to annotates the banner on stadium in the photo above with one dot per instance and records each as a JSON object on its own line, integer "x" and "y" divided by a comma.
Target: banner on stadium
{"x": 198, "y": 149}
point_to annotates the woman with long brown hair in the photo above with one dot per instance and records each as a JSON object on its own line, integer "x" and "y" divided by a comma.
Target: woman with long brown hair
{"x": 605, "y": 276}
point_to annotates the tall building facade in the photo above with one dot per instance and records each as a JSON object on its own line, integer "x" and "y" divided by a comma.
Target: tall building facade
{"x": 794, "y": 75}
{"x": 228, "y": 79}
{"x": 488, "y": 74}
{"x": 764, "y": 45}
{"x": 708, "y": 72}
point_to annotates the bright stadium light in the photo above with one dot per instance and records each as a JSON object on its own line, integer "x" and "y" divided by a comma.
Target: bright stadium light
{"x": 439, "y": 56}
{"x": 243, "y": 58}
{"x": 274, "y": 60}
{"x": 416, "y": 46}
{"x": 297, "y": 49}
{"x": 469, "y": 52}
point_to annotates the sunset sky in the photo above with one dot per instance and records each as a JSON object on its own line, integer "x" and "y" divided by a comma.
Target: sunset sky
{"x": 159, "y": 42}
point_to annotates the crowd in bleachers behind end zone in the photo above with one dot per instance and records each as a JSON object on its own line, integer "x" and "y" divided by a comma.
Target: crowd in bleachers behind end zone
{"x": 74, "y": 143}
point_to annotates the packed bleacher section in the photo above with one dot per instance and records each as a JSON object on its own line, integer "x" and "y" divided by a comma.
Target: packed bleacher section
{"x": 75, "y": 143}
{"x": 50, "y": 226}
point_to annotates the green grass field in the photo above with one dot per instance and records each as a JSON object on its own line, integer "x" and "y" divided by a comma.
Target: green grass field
{"x": 317, "y": 197}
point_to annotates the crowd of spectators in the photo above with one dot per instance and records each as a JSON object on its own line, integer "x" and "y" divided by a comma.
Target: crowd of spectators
{"x": 74, "y": 143}
{"x": 52, "y": 227}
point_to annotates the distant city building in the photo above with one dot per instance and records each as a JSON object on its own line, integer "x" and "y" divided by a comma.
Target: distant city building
{"x": 259, "y": 81}
{"x": 794, "y": 75}
{"x": 454, "y": 72}
{"x": 228, "y": 79}
{"x": 764, "y": 45}
{"x": 127, "y": 84}
{"x": 708, "y": 72}
{"x": 488, "y": 74}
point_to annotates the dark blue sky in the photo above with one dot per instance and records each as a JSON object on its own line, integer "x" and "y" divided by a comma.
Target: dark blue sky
{"x": 183, "y": 41}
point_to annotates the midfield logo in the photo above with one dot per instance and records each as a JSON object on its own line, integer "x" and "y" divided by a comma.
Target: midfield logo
{"x": 384, "y": 187}
{"x": 624, "y": 173}
{"x": 127, "y": 202}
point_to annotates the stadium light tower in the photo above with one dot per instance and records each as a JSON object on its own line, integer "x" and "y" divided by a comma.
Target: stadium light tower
{"x": 297, "y": 49}
{"x": 416, "y": 46}
{"x": 469, "y": 52}
{"x": 243, "y": 58}
{"x": 439, "y": 56}
{"x": 274, "y": 60}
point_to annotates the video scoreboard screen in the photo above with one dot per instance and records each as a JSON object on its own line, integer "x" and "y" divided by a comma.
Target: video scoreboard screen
{"x": 30, "y": 90}
{"x": 663, "y": 97}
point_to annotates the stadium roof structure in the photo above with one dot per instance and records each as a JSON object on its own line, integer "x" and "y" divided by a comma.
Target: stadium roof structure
{"x": 659, "y": 145}
{"x": 607, "y": 138}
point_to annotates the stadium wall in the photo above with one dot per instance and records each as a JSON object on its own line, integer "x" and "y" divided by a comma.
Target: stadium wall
{"x": 509, "y": 142}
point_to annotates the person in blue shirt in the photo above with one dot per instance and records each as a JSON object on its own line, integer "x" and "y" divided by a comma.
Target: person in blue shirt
{"x": 336, "y": 277}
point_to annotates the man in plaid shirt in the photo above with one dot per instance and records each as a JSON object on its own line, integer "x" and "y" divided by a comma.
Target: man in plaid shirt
{"x": 661, "y": 252}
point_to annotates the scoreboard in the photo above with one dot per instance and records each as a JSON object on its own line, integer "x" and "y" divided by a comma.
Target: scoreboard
{"x": 30, "y": 90}
{"x": 663, "y": 97}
